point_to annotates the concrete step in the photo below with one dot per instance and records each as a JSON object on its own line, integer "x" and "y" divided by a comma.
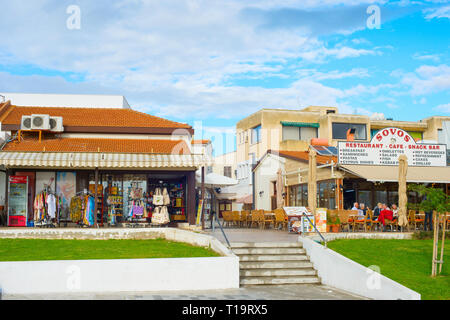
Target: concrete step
{"x": 266, "y": 251}
{"x": 246, "y": 281}
{"x": 273, "y": 257}
{"x": 275, "y": 264}
{"x": 277, "y": 272}
{"x": 266, "y": 245}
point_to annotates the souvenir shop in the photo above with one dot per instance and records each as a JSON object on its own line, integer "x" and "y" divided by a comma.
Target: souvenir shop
{"x": 71, "y": 198}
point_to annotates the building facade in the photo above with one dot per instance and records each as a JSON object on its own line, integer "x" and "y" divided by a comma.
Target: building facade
{"x": 295, "y": 130}
{"x": 129, "y": 164}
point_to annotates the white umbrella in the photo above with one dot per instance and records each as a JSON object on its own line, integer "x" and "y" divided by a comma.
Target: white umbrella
{"x": 214, "y": 180}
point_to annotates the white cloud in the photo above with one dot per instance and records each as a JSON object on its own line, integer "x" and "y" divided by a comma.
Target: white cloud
{"x": 333, "y": 75}
{"x": 171, "y": 58}
{"x": 428, "y": 79}
{"x": 442, "y": 12}
{"x": 433, "y": 57}
{"x": 445, "y": 108}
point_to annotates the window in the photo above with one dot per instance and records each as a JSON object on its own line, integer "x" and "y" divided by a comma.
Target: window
{"x": 327, "y": 195}
{"x": 340, "y": 130}
{"x": 256, "y": 134}
{"x": 227, "y": 171}
{"x": 299, "y": 133}
{"x": 298, "y": 195}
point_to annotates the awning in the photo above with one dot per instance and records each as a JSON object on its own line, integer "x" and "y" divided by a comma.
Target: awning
{"x": 100, "y": 160}
{"x": 300, "y": 124}
{"x": 390, "y": 173}
{"x": 215, "y": 180}
{"x": 248, "y": 199}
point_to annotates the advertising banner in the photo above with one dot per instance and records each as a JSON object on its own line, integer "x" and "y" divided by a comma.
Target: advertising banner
{"x": 321, "y": 219}
{"x": 385, "y": 148}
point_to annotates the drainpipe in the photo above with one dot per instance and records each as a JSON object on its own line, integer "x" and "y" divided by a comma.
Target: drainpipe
{"x": 253, "y": 180}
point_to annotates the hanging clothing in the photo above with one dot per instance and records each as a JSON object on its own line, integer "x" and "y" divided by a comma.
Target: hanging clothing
{"x": 75, "y": 209}
{"x": 51, "y": 205}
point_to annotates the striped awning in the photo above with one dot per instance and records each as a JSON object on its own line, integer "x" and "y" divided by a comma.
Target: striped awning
{"x": 300, "y": 124}
{"x": 87, "y": 160}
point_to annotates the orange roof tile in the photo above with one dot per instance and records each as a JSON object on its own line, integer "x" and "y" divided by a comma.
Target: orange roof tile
{"x": 31, "y": 144}
{"x": 92, "y": 117}
{"x": 200, "y": 141}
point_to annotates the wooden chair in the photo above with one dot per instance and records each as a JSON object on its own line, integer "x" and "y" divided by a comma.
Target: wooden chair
{"x": 255, "y": 218}
{"x": 393, "y": 224}
{"x": 267, "y": 220}
{"x": 245, "y": 216}
{"x": 373, "y": 223}
{"x": 419, "y": 219}
{"x": 236, "y": 218}
{"x": 280, "y": 218}
{"x": 344, "y": 216}
{"x": 361, "y": 222}
{"x": 227, "y": 218}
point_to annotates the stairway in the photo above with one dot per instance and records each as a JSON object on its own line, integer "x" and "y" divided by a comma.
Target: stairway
{"x": 274, "y": 263}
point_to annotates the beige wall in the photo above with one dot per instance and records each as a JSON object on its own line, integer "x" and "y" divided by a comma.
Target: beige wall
{"x": 227, "y": 159}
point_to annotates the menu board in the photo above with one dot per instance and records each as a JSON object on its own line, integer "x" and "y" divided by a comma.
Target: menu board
{"x": 385, "y": 148}
{"x": 17, "y": 201}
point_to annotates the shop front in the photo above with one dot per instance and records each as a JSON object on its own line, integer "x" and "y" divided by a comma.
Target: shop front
{"x": 100, "y": 197}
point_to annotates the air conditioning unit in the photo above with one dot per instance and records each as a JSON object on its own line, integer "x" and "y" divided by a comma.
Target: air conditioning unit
{"x": 25, "y": 124}
{"x": 40, "y": 122}
{"x": 56, "y": 124}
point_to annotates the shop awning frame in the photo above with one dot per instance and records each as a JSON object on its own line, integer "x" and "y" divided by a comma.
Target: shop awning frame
{"x": 300, "y": 124}
{"x": 88, "y": 160}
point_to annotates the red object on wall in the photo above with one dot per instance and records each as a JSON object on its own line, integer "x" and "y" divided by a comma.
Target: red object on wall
{"x": 31, "y": 190}
{"x": 320, "y": 142}
{"x": 17, "y": 221}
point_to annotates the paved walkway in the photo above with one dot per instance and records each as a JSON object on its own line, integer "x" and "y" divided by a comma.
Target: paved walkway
{"x": 286, "y": 292}
{"x": 254, "y": 235}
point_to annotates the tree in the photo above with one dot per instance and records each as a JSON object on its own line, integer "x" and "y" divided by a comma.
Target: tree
{"x": 437, "y": 201}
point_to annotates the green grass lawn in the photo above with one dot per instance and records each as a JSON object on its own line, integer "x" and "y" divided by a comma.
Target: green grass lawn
{"x": 406, "y": 261}
{"x": 38, "y": 249}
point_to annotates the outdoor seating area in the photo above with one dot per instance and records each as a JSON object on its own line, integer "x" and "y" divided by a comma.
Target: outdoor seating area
{"x": 263, "y": 219}
{"x": 342, "y": 220}
{"x": 350, "y": 221}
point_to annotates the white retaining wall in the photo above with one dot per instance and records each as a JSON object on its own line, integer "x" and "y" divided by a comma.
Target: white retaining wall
{"x": 121, "y": 275}
{"x": 342, "y": 273}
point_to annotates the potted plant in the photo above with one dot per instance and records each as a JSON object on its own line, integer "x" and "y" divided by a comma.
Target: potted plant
{"x": 333, "y": 222}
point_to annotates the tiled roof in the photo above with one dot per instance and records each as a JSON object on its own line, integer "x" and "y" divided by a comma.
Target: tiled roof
{"x": 304, "y": 156}
{"x": 31, "y": 144}
{"x": 200, "y": 141}
{"x": 91, "y": 117}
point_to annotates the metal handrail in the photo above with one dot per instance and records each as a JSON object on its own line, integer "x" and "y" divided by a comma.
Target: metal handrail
{"x": 315, "y": 228}
{"x": 221, "y": 228}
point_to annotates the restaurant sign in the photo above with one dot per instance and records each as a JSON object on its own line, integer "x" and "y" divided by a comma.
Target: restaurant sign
{"x": 385, "y": 148}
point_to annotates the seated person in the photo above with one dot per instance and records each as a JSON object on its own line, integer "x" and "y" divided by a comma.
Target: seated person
{"x": 395, "y": 211}
{"x": 362, "y": 211}
{"x": 385, "y": 213}
{"x": 377, "y": 211}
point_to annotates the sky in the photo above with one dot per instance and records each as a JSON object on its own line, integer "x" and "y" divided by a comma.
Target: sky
{"x": 210, "y": 63}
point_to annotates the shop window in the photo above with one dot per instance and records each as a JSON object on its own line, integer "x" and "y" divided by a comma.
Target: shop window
{"x": 340, "y": 130}
{"x": 256, "y": 134}
{"x": 364, "y": 196}
{"x": 227, "y": 171}
{"x": 299, "y": 133}
{"x": 327, "y": 194}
